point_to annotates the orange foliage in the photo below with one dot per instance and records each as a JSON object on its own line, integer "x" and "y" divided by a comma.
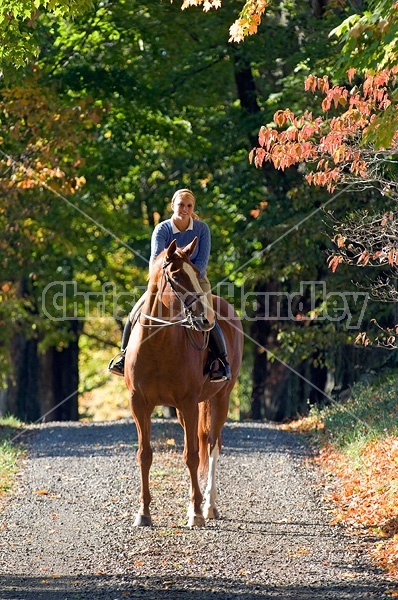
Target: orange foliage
{"x": 248, "y": 21}
{"x": 366, "y": 496}
{"x": 342, "y": 148}
{"x": 40, "y": 138}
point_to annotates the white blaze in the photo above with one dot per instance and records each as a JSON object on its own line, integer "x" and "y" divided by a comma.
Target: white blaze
{"x": 208, "y": 310}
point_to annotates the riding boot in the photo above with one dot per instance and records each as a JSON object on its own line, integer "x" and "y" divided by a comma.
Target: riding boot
{"x": 118, "y": 367}
{"x": 219, "y": 369}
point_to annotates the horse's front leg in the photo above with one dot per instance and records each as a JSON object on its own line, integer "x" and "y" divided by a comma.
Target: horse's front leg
{"x": 144, "y": 458}
{"x": 191, "y": 457}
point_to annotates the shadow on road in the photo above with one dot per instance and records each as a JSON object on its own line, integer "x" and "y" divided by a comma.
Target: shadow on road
{"x": 100, "y": 439}
{"x": 102, "y": 587}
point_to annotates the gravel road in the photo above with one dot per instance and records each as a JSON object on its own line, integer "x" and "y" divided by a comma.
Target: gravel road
{"x": 66, "y": 533}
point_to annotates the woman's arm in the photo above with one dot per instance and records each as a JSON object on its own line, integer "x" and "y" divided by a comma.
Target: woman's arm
{"x": 160, "y": 240}
{"x": 204, "y": 244}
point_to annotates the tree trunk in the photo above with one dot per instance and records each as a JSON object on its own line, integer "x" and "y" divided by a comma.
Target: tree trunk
{"x": 44, "y": 387}
{"x": 267, "y": 375}
{"x": 260, "y": 332}
{"x": 245, "y": 84}
{"x": 22, "y": 393}
{"x": 317, "y": 7}
{"x": 22, "y": 398}
{"x": 59, "y": 380}
{"x": 247, "y": 94}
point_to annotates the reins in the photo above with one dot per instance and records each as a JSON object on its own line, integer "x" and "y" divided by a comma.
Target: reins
{"x": 195, "y": 346}
{"x": 163, "y": 322}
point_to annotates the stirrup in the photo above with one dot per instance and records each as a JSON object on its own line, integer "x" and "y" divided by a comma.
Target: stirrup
{"x": 222, "y": 373}
{"x": 117, "y": 366}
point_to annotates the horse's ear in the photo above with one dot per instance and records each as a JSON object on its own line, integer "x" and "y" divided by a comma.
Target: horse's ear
{"x": 188, "y": 250}
{"x": 171, "y": 250}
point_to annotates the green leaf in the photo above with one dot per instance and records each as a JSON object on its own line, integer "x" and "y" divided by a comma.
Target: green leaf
{"x": 345, "y": 26}
{"x": 381, "y": 131}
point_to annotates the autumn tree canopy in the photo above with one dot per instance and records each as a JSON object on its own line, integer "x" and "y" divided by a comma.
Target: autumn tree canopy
{"x": 107, "y": 115}
{"x": 350, "y": 142}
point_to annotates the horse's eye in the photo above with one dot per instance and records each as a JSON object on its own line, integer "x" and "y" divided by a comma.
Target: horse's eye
{"x": 176, "y": 277}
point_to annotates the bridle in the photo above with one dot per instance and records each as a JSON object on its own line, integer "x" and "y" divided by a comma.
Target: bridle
{"x": 189, "y": 320}
{"x": 194, "y": 296}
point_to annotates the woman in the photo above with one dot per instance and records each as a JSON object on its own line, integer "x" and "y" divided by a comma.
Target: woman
{"x": 183, "y": 226}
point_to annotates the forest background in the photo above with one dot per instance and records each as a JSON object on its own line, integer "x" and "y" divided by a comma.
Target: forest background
{"x": 107, "y": 108}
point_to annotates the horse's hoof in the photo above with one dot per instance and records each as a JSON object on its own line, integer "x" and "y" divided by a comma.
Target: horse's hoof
{"x": 210, "y": 512}
{"x": 196, "y": 521}
{"x": 143, "y": 521}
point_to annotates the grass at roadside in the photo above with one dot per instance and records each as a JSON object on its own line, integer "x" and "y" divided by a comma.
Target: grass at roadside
{"x": 358, "y": 445}
{"x": 9, "y": 453}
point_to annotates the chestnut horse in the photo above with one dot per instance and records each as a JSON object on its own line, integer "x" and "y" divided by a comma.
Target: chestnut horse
{"x": 165, "y": 366}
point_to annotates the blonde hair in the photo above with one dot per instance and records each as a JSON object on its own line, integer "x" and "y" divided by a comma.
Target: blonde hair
{"x": 185, "y": 192}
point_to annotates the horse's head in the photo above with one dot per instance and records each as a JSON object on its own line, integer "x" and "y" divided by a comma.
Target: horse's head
{"x": 179, "y": 287}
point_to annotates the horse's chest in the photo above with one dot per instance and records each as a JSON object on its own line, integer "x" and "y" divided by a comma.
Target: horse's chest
{"x": 166, "y": 373}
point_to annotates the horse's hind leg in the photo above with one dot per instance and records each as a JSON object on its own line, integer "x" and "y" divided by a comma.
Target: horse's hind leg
{"x": 144, "y": 458}
{"x": 191, "y": 457}
{"x": 209, "y": 508}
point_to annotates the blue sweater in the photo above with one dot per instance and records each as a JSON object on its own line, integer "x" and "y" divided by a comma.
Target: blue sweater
{"x": 163, "y": 236}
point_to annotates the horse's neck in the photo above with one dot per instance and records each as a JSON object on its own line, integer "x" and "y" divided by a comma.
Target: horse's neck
{"x": 155, "y": 334}
{"x": 154, "y": 305}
